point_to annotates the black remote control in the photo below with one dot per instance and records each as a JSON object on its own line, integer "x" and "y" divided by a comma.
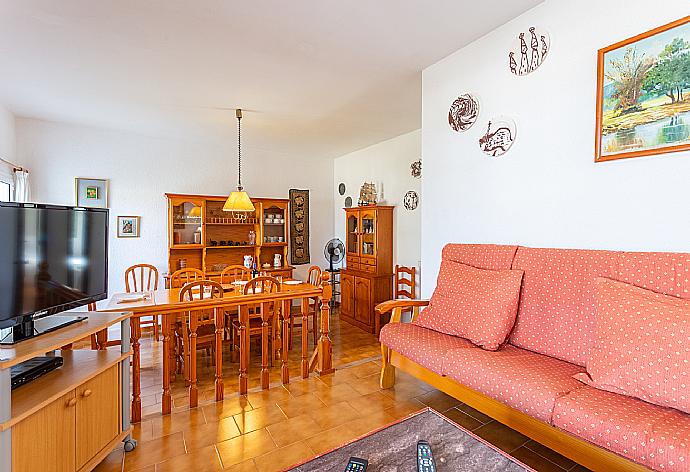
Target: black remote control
{"x": 355, "y": 464}
{"x": 425, "y": 460}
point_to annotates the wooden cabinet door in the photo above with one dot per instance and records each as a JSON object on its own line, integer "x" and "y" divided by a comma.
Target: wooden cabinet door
{"x": 45, "y": 440}
{"x": 347, "y": 295}
{"x": 363, "y": 300}
{"x": 98, "y": 417}
{"x": 352, "y": 237}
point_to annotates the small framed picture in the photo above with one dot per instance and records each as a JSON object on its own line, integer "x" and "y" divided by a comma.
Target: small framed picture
{"x": 91, "y": 193}
{"x": 128, "y": 226}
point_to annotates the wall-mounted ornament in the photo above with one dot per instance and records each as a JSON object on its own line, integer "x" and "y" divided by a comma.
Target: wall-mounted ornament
{"x": 529, "y": 51}
{"x": 463, "y": 112}
{"x": 411, "y": 200}
{"x": 416, "y": 169}
{"x": 348, "y": 202}
{"x": 499, "y": 136}
{"x": 341, "y": 188}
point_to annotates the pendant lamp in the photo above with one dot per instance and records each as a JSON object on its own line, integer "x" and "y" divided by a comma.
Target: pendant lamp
{"x": 239, "y": 201}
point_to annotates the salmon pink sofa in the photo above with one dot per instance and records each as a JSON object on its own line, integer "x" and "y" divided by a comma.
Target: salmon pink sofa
{"x": 528, "y": 383}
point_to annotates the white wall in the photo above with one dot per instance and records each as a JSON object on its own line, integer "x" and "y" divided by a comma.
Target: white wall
{"x": 546, "y": 191}
{"x": 141, "y": 169}
{"x": 7, "y": 137}
{"x": 387, "y": 162}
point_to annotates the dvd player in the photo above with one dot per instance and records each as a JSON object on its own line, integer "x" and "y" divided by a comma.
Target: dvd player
{"x": 32, "y": 369}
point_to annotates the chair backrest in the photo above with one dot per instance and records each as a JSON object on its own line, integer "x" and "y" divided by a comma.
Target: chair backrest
{"x": 184, "y": 276}
{"x": 141, "y": 277}
{"x": 265, "y": 284}
{"x": 314, "y": 275}
{"x": 206, "y": 289}
{"x": 233, "y": 273}
{"x": 405, "y": 282}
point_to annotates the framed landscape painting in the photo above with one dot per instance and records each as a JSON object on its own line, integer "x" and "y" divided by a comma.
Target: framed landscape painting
{"x": 643, "y": 94}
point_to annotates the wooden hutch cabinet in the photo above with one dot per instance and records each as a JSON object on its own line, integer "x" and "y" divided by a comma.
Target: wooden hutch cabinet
{"x": 367, "y": 279}
{"x": 203, "y": 236}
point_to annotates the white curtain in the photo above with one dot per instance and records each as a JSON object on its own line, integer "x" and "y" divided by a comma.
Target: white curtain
{"x": 21, "y": 186}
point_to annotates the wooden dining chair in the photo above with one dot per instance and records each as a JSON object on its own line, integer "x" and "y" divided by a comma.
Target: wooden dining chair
{"x": 197, "y": 328}
{"x": 313, "y": 307}
{"x": 234, "y": 273}
{"x": 184, "y": 276}
{"x": 263, "y": 319}
{"x": 404, "y": 286}
{"x": 139, "y": 278}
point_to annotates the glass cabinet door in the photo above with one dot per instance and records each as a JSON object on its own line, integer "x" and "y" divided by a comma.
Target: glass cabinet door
{"x": 367, "y": 221}
{"x": 186, "y": 223}
{"x": 352, "y": 233}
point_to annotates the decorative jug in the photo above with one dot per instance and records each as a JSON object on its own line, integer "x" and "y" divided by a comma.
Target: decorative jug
{"x": 278, "y": 260}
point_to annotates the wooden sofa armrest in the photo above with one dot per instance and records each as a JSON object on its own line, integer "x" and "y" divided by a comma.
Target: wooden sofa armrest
{"x": 396, "y": 307}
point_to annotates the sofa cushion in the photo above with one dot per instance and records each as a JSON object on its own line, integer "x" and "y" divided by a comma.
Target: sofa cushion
{"x": 481, "y": 256}
{"x": 476, "y": 304}
{"x": 649, "y": 434}
{"x": 642, "y": 347}
{"x": 662, "y": 272}
{"x": 423, "y": 346}
{"x": 556, "y": 315}
{"x": 521, "y": 379}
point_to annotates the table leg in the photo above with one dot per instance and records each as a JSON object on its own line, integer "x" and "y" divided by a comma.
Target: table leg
{"x": 284, "y": 372}
{"x": 219, "y": 318}
{"x": 136, "y": 370}
{"x": 244, "y": 347}
{"x": 191, "y": 356}
{"x": 168, "y": 363}
{"x": 265, "y": 316}
{"x": 305, "y": 337}
{"x": 125, "y": 331}
{"x": 325, "y": 347}
{"x": 102, "y": 339}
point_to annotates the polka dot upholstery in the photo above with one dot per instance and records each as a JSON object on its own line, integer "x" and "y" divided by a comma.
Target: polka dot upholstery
{"x": 642, "y": 347}
{"x": 464, "y": 295}
{"x": 521, "y": 379}
{"x": 649, "y": 434}
{"x": 556, "y": 315}
{"x": 663, "y": 272}
{"x": 481, "y": 256}
{"x": 421, "y": 345}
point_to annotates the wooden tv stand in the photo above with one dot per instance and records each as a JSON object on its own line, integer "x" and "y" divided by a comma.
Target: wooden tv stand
{"x": 70, "y": 419}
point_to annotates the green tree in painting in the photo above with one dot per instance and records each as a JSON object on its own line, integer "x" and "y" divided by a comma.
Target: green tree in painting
{"x": 671, "y": 73}
{"x": 627, "y": 75}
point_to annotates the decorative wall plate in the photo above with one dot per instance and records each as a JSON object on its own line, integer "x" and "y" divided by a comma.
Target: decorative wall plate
{"x": 416, "y": 169}
{"x": 529, "y": 51}
{"x": 348, "y": 202}
{"x": 411, "y": 200}
{"x": 463, "y": 112}
{"x": 499, "y": 136}
{"x": 341, "y": 188}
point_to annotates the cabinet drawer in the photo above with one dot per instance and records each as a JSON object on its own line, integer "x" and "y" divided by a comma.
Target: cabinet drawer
{"x": 353, "y": 266}
{"x": 368, "y": 268}
{"x": 354, "y": 259}
{"x": 368, "y": 261}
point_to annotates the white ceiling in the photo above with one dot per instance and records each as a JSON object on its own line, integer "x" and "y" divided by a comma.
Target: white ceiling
{"x": 319, "y": 77}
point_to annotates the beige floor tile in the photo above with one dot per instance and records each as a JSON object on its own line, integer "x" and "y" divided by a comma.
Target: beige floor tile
{"x": 438, "y": 400}
{"x": 201, "y": 460}
{"x": 284, "y": 457}
{"x": 176, "y": 422}
{"x": 296, "y": 406}
{"x": 405, "y": 408}
{"x": 246, "y": 466}
{"x": 371, "y": 403}
{"x": 259, "y": 418}
{"x": 304, "y": 386}
{"x": 333, "y": 415}
{"x": 293, "y": 430}
{"x": 247, "y": 446}
{"x": 366, "y": 385}
{"x": 157, "y": 450}
{"x": 209, "y": 434}
{"x": 337, "y": 393}
{"x": 270, "y": 396}
{"x": 228, "y": 407}
{"x": 332, "y": 438}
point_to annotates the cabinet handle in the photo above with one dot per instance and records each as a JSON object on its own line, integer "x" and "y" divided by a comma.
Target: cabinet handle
{"x": 87, "y": 393}
{"x": 72, "y": 402}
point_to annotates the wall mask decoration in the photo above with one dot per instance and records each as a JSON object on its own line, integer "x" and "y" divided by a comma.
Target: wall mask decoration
{"x": 341, "y": 188}
{"x": 299, "y": 226}
{"x": 411, "y": 200}
{"x": 463, "y": 112}
{"x": 499, "y": 136}
{"x": 529, "y": 51}
{"x": 416, "y": 169}
{"x": 348, "y": 202}
{"x": 643, "y": 102}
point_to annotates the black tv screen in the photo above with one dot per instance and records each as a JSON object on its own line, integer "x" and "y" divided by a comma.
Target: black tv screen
{"x": 52, "y": 259}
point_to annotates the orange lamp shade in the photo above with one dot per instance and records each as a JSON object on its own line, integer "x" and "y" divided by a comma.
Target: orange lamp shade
{"x": 238, "y": 201}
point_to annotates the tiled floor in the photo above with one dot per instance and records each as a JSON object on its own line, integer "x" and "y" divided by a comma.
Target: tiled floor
{"x": 273, "y": 429}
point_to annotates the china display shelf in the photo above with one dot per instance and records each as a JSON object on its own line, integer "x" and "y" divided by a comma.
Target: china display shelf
{"x": 186, "y": 246}
{"x": 274, "y": 244}
{"x": 229, "y": 247}
{"x": 235, "y": 223}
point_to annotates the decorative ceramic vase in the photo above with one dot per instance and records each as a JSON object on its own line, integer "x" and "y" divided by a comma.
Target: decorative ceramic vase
{"x": 248, "y": 262}
{"x": 278, "y": 260}
{"x": 252, "y": 238}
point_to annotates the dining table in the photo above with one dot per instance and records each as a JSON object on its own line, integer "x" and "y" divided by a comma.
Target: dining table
{"x": 167, "y": 305}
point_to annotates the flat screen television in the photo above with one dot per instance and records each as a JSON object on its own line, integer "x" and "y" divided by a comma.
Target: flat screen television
{"x": 52, "y": 259}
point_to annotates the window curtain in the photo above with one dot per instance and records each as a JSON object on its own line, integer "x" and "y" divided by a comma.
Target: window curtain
{"x": 21, "y": 186}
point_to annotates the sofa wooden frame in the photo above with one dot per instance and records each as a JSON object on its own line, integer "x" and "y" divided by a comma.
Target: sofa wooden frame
{"x": 572, "y": 447}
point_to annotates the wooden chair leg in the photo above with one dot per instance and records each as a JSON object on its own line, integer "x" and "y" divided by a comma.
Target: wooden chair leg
{"x": 156, "y": 332}
{"x": 387, "y": 369}
{"x": 313, "y": 323}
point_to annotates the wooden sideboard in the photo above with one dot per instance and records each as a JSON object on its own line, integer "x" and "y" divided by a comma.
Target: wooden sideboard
{"x": 367, "y": 279}
{"x": 70, "y": 419}
{"x": 197, "y": 225}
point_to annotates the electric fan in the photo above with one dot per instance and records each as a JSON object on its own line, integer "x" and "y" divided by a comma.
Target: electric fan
{"x": 334, "y": 252}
